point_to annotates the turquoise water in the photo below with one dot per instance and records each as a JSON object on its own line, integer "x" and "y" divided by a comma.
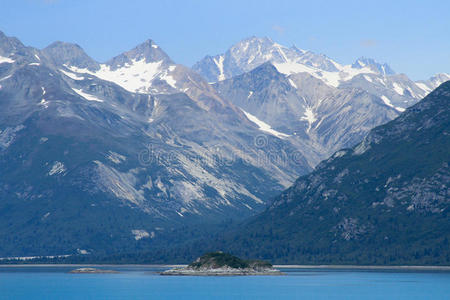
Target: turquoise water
{"x": 145, "y": 283}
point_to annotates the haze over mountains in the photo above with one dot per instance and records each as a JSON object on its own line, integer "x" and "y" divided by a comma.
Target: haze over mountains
{"x": 105, "y": 156}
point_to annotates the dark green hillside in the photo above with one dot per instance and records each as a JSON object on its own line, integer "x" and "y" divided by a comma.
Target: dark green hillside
{"x": 386, "y": 201}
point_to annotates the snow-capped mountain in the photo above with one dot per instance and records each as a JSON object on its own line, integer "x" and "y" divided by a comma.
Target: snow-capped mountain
{"x": 252, "y": 52}
{"x": 310, "y": 98}
{"x": 396, "y": 89}
{"x": 145, "y": 69}
{"x": 364, "y": 62}
{"x": 118, "y": 148}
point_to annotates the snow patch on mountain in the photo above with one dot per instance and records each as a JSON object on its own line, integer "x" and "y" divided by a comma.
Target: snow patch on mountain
{"x": 134, "y": 77}
{"x": 71, "y": 75}
{"x": 293, "y": 84}
{"x": 310, "y": 117}
{"x": 219, "y": 64}
{"x": 86, "y": 96}
{"x": 6, "y": 77}
{"x": 388, "y": 103}
{"x": 344, "y": 73}
{"x": 368, "y": 78}
{"x": 398, "y": 89}
{"x": 6, "y": 60}
{"x": 44, "y": 103}
{"x": 339, "y": 153}
{"x": 8, "y": 135}
{"x": 280, "y": 50}
{"x": 140, "y": 234}
{"x": 116, "y": 157}
{"x": 263, "y": 126}
{"x": 169, "y": 79}
{"x": 57, "y": 168}
{"x": 424, "y": 87}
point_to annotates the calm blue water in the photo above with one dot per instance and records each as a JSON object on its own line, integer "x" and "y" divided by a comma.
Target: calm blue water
{"x": 144, "y": 283}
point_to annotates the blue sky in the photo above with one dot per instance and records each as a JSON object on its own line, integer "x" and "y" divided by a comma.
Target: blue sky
{"x": 412, "y": 36}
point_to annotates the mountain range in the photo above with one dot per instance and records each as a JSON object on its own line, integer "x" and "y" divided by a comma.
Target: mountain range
{"x": 88, "y": 164}
{"x": 384, "y": 201}
{"x": 100, "y": 157}
{"x": 322, "y": 105}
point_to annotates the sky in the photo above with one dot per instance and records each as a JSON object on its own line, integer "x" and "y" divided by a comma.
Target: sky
{"x": 412, "y": 36}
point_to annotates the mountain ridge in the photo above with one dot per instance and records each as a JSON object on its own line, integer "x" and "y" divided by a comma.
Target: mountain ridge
{"x": 385, "y": 201}
{"x": 74, "y": 146}
{"x": 240, "y": 58}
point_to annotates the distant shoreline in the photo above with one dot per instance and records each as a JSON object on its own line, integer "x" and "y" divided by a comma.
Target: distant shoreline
{"x": 318, "y": 267}
{"x": 94, "y": 265}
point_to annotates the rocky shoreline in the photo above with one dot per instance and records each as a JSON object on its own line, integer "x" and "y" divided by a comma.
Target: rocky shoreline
{"x": 92, "y": 271}
{"x": 220, "y": 272}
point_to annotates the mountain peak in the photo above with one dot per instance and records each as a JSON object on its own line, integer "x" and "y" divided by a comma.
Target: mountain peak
{"x": 251, "y": 43}
{"x": 147, "y": 50}
{"x": 258, "y": 39}
{"x": 298, "y": 50}
{"x": 383, "y": 69}
{"x": 440, "y": 78}
{"x": 148, "y": 43}
{"x": 62, "y": 44}
{"x": 9, "y": 45}
{"x": 268, "y": 66}
{"x": 63, "y": 53}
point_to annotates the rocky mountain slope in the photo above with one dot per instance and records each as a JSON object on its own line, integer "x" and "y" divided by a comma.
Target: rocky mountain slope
{"x": 319, "y": 118}
{"x": 385, "y": 201}
{"x": 317, "y": 103}
{"x": 96, "y": 157}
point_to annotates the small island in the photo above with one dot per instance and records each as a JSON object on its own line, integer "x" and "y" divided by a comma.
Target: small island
{"x": 92, "y": 271}
{"x": 224, "y": 264}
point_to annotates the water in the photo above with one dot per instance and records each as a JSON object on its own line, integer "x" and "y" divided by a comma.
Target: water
{"x": 145, "y": 283}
